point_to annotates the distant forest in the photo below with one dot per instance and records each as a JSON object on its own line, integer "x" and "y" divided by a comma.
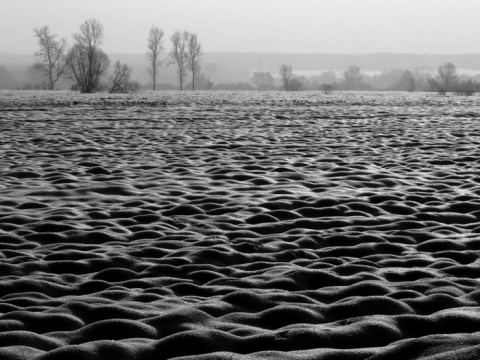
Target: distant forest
{"x": 236, "y": 71}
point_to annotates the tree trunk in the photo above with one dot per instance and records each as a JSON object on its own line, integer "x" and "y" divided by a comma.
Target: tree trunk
{"x": 154, "y": 79}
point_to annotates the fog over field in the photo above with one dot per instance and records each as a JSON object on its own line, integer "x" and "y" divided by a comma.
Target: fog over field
{"x": 240, "y": 38}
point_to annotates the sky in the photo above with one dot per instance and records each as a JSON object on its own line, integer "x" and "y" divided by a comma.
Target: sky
{"x": 280, "y": 26}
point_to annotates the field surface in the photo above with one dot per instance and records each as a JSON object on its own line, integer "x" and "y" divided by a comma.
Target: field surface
{"x": 239, "y": 226}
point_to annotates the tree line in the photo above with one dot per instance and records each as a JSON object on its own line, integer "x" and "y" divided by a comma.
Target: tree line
{"x": 89, "y": 68}
{"x": 87, "y": 65}
{"x": 446, "y": 79}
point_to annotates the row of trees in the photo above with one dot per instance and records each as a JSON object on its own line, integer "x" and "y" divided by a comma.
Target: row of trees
{"x": 185, "y": 54}
{"x": 87, "y": 65}
{"x": 445, "y": 80}
{"x": 263, "y": 80}
{"x": 289, "y": 82}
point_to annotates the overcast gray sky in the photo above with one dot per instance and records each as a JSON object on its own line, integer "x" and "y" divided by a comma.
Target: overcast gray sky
{"x": 290, "y": 26}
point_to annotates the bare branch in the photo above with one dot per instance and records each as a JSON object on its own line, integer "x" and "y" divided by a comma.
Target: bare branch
{"x": 90, "y": 35}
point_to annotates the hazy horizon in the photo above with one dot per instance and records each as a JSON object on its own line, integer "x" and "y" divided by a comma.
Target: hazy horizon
{"x": 266, "y": 26}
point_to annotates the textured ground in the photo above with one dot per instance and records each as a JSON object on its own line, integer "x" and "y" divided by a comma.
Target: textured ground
{"x": 239, "y": 226}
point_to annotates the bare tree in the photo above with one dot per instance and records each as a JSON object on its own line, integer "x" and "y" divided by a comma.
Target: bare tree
{"x": 155, "y": 48}
{"x": 447, "y": 76}
{"x": 295, "y": 85}
{"x": 352, "y": 77}
{"x": 286, "y": 74}
{"x": 407, "y": 81}
{"x": 120, "y": 78}
{"x": 434, "y": 85}
{"x": 326, "y": 88}
{"x": 466, "y": 87}
{"x": 87, "y": 63}
{"x": 263, "y": 80}
{"x": 194, "y": 53}
{"x": 327, "y": 77}
{"x": 51, "y": 55}
{"x": 178, "y": 54}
